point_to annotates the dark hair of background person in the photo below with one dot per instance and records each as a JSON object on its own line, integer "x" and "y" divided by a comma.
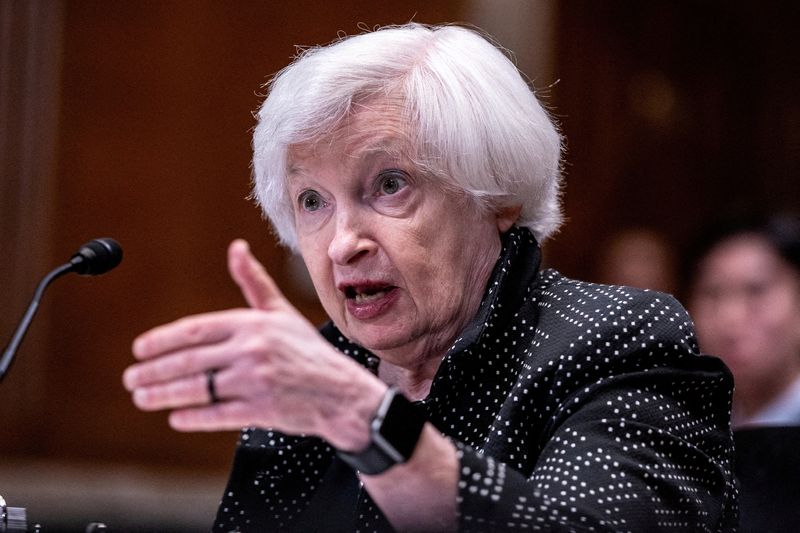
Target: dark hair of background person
{"x": 780, "y": 229}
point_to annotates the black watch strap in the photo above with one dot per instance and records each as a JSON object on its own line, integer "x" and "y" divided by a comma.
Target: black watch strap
{"x": 394, "y": 432}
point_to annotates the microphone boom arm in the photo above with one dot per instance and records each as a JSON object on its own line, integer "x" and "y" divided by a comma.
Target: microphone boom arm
{"x": 22, "y": 328}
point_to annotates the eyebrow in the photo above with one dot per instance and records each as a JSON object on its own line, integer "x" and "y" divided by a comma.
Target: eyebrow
{"x": 390, "y": 145}
{"x": 392, "y": 150}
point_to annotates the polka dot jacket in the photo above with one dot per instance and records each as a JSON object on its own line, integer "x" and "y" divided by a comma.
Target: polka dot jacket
{"x": 573, "y": 406}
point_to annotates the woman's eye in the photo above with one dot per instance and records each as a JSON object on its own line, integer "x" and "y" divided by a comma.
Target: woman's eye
{"x": 391, "y": 182}
{"x": 311, "y": 201}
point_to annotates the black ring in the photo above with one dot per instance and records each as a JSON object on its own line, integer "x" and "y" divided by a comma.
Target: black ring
{"x": 212, "y": 389}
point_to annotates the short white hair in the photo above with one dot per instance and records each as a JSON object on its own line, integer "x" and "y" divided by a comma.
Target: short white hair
{"x": 478, "y": 124}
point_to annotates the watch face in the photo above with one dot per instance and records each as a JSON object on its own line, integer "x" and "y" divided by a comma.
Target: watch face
{"x": 400, "y": 428}
{"x": 395, "y": 431}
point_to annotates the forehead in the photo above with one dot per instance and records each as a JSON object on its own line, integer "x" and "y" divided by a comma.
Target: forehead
{"x": 372, "y": 129}
{"x": 746, "y": 254}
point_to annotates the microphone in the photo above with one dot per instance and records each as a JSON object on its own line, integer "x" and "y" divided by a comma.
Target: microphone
{"x": 93, "y": 258}
{"x": 97, "y": 257}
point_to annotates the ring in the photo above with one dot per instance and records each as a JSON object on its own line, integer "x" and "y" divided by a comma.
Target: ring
{"x": 210, "y": 386}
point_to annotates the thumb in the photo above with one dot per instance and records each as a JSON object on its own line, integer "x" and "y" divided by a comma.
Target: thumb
{"x": 258, "y": 288}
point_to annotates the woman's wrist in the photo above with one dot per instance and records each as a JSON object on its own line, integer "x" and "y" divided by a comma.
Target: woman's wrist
{"x": 394, "y": 432}
{"x": 349, "y": 426}
{"x": 421, "y": 494}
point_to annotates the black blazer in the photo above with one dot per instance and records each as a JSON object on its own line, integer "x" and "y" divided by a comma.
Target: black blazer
{"x": 572, "y": 406}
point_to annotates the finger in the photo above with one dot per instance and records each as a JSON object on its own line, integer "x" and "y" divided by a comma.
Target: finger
{"x": 232, "y": 415}
{"x": 257, "y": 286}
{"x": 178, "y": 393}
{"x": 176, "y": 364}
{"x": 208, "y": 328}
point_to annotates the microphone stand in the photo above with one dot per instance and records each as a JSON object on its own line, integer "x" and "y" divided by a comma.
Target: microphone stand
{"x": 15, "y": 519}
{"x": 93, "y": 258}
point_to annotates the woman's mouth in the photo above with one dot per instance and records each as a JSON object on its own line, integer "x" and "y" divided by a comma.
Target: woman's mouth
{"x": 365, "y": 294}
{"x": 367, "y": 301}
{"x": 361, "y": 298}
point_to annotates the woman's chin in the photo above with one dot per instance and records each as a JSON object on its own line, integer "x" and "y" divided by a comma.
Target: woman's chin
{"x": 382, "y": 339}
{"x": 379, "y": 341}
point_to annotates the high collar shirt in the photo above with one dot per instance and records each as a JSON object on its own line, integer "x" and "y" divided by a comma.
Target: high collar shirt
{"x": 784, "y": 410}
{"x": 573, "y": 407}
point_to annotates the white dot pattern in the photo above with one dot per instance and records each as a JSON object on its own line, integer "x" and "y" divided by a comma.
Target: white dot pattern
{"x": 573, "y": 406}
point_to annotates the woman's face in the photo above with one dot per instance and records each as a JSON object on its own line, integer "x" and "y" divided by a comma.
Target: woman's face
{"x": 399, "y": 264}
{"x": 746, "y": 307}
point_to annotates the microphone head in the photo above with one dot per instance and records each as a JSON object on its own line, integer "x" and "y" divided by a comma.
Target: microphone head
{"x": 97, "y": 257}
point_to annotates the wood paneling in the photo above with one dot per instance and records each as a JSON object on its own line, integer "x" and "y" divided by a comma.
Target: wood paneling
{"x": 154, "y": 149}
{"x": 30, "y": 54}
{"x": 668, "y": 108}
{"x": 673, "y": 111}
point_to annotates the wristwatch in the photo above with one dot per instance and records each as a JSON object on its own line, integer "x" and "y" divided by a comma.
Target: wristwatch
{"x": 394, "y": 432}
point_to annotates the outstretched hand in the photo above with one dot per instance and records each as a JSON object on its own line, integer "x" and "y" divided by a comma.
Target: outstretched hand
{"x": 271, "y": 368}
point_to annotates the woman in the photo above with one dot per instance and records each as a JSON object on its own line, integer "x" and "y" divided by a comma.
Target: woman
{"x": 415, "y": 172}
{"x": 746, "y": 302}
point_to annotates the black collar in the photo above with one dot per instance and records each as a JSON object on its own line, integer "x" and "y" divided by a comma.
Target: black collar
{"x": 514, "y": 272}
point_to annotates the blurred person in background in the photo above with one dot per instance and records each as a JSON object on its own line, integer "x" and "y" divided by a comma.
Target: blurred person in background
{"x": 638, "y": 257}
{"x": 745, "y": 301}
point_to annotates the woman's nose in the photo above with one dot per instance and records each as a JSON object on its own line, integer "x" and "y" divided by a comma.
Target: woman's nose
{"x": 352, "y": 238}
{"x": 733, "y": 311}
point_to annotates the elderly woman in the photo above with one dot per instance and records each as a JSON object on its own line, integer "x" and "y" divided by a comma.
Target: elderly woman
{"x": 457, "y": 386}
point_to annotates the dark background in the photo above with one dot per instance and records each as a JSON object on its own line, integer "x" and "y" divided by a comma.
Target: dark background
{"x": 133, "y": 120}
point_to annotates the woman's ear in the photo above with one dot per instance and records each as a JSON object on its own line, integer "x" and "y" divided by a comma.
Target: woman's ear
{"x": 507, "y": 216}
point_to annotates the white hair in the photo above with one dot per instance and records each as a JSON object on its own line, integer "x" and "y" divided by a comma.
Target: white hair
{"x": 477, "y": 124}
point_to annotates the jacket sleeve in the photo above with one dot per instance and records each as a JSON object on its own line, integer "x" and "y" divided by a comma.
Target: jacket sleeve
{"x": 272, "y": 481}
{"x": 644, "y": 447}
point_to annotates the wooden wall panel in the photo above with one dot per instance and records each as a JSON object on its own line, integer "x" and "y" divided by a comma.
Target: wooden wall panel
{"x": 154, "y": 150}
{"x": 673, "y": 112}
{"x": 30, "y": 56}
